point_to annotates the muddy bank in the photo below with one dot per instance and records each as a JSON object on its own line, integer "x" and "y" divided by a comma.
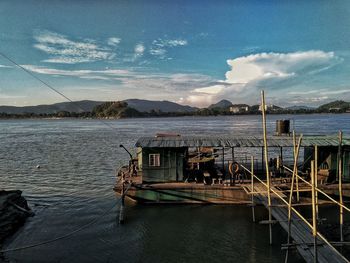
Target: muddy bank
{"x": 14, "y": 211}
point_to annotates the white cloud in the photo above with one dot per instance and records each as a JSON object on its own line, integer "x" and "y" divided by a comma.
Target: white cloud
{"x": 107, "y": 74}
{"x": 271, "y": 70}
{"x": 199, "y": 100}
{"x": 113, "y": 41}
{"x": 210, "y": 90}
{"x": 169, "y": 42}
{"x": 159, "y": 46}
{"x": 63, "y": 50}
{"x": 145, "y": 83}
{"x": 139, "y": 49}
{"x": 320, "y": 91}
{"x": 160, "y": 52}
{"x": 176, "y": 42}
{"x": 4, "y": 66}
{"x": 264, "y": 66}
{"x": 4, "y": 96}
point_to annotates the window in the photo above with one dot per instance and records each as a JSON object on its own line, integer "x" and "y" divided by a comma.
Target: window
{"x": 154, "y": 159}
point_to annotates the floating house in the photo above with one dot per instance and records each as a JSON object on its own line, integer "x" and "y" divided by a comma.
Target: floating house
{"x": 208, "y": 169}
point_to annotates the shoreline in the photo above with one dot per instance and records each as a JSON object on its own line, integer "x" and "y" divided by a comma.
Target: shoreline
{"x": 167, "y": 116}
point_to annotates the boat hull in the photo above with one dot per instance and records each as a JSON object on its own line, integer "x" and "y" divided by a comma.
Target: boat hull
{"x": 185, "y": 193}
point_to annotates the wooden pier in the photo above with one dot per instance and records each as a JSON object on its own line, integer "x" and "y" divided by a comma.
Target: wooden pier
{"x": 301, "y": 233}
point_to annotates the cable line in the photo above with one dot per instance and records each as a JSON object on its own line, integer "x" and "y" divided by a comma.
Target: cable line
{"x": 51, "y": 87}
{"x": 69, "y": 234}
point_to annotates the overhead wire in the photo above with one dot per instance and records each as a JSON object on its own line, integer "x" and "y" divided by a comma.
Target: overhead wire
{"x": 68, "y": 234}
{"x": 84, "y": 110}
{"x": 51, "y": 87}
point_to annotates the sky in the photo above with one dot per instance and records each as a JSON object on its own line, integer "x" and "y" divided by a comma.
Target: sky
{"x": 193, "y": 52}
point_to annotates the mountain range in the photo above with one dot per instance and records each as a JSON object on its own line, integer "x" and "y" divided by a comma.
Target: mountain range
{"x": 88, "y": 106}
{"x": 149, "y": 106}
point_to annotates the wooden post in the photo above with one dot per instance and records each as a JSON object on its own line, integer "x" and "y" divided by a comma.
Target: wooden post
{"x": 314, "y": 219}
{"x": 316, "y": 179}
{"x": 122, "y": 205}
{"x": 232, "y": 180}
{"x": 340, "y": 180}
{"x": 296, "y": 166}
{"x": 281, "y": 152}
{"x": 252, "y": 184}
{"x": 266, "y": 163}
{"x": 294, "y": 174}
{"x": 262, "y": 160}
{"x": 223, "y": 163}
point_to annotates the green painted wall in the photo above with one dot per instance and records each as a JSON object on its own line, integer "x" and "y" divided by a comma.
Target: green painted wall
{"x": 171, "y": 167}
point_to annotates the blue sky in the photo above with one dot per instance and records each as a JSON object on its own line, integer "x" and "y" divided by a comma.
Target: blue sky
{"x": 190, "y": 52}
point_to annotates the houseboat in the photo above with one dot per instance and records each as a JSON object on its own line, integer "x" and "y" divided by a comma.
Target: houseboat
{"x": 170, "y": 168}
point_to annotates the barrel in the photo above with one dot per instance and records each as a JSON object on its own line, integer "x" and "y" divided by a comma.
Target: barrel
{"x": 282, "y": 127}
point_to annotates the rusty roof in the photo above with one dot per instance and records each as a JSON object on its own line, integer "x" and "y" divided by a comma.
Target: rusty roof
{"x": 239, "y": 141}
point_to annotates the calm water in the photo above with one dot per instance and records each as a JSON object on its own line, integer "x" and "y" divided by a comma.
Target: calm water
{"x": 74, "y": 186}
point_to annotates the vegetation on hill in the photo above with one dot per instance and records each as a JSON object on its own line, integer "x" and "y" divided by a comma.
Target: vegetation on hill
{"x": 335, "y": 106}
{"x": 121, "y": 109}
{"x": 115, "y": 109}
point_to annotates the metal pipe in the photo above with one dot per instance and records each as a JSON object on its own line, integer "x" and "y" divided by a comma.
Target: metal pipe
{"x": 266, "y": 163}
{"x": 122, "y": 146}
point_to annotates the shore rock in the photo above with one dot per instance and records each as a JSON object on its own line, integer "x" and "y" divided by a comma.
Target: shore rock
{"x": 14, "y": 211}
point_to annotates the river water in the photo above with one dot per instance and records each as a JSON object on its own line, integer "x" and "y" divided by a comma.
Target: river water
{"x": 78, "y": 159}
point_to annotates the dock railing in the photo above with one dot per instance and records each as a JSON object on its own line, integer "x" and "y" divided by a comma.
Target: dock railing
{"x": 312, "y": 226}
{"x": 327, "y": 253}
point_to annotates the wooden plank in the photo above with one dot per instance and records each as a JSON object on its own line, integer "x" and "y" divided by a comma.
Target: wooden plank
{"x": 300, "y": 232}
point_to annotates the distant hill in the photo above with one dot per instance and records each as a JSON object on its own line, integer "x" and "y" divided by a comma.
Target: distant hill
{"x": 221, "y": 104}
{"x": 144, "y": 108}
{"x": 88, "y": 106}
{"x": 115, "y": 109}
{"x": 77, "y": 106}
{"x": 163, "y": 106}
{"x": 338, "y": 106}
{"x": 239, "y": 105}
{"x": 301, "y": 107}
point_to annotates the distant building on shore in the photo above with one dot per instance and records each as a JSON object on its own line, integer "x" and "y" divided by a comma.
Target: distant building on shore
{"x": 239, "y": 108}
{"x": 270, "y": 107}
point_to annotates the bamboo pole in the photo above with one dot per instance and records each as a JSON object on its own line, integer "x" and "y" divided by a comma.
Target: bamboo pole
{"x": 296, "y": 170}
{"x": 314, "y": 219}
{"x": 266, "y": 163}
{"x": 320, "y": 191}
{"x": 301, "y": 216}
{"x": 316, "y": 183}
{"x": 340, "y": 180}
{"x": 252, "y": 184}
{"x": 294, "y": 174}
{"x": 223, "y": 163}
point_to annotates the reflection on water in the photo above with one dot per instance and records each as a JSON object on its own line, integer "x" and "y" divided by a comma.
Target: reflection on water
{"x": 74, "y": 185}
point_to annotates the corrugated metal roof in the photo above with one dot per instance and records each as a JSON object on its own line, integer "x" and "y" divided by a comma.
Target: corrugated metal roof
{"x": 248, "y": 141}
